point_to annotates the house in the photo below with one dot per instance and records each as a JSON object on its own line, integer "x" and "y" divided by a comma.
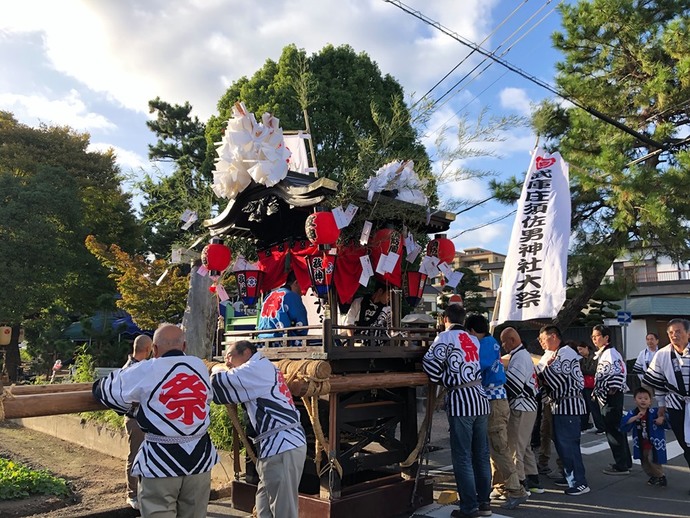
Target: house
{"x": 659, "y": 291}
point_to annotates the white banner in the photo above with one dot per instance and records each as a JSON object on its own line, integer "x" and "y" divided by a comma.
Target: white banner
{"x": 298, "y": 159}
{"x": 536, "y": 267}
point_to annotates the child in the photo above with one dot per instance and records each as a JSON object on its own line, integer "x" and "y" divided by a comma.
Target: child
{"x": 649, "y": 438}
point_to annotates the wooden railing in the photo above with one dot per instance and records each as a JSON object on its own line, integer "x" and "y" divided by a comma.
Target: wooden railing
{"x": 330, "y": 341}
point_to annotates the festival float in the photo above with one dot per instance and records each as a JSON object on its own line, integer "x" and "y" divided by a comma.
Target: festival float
{"x": 357, "y": 396}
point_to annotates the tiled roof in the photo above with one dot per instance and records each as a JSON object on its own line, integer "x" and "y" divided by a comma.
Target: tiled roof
{"x": 650, "y": 306}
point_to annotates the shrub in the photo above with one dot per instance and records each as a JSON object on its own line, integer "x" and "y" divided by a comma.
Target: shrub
{"x": 17, "y": 481}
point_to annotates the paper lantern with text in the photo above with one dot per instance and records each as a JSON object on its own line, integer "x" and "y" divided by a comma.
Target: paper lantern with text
{"x": 216, "y": 256}
{"x": 249, "y": 285}
{"x": 321, "y": 229}
{"x": 441, "y": 247}
{"x": 321, "y": 269}
{"x": 414, "y": 287}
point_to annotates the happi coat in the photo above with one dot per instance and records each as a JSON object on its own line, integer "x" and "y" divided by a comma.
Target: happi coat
{"x": 174, "y": 396}
{"x": 261, "y": 387}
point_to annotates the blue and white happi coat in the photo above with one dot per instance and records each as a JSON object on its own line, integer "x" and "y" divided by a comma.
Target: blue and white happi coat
{"x": 647, "y": 428}
{"x": 453, "y": 361}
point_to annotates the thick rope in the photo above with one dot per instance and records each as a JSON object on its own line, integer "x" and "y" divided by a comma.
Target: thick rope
{"x": 6, "y": 394}
{"x": 315, "y": 374}
{"x": 423, "y": 429}
{"x": 235, "y": 419}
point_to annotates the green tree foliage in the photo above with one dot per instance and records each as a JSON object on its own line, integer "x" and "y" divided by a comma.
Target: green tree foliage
{"x": 182, "y": 142}
{"x": 347, "y": 96}
{"x": 53, "y": 193}
{"x": 44, "y": 336}
{"x": 628, "y": 59}
{"x": 148, "y": 303}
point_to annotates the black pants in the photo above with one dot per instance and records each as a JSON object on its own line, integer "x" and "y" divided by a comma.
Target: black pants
{"x": 593, "y": 409}
{"x": 612, "y": 412}
{"x": 676, "y": 419}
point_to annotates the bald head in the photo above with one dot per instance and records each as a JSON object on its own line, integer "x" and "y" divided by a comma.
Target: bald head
{"x": 510, "y": 339}
{"x": 141, "y": 349}
{"x": 167, "y": 337}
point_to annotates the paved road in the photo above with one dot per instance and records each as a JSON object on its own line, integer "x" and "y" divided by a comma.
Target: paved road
{"x": 611, "y": 496}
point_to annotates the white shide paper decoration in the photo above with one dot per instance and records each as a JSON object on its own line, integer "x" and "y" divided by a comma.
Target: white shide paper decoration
{"x": 401, "y": 176}
{"x": 249, "y": 150}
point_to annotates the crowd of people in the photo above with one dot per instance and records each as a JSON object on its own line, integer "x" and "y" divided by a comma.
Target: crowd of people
{"x": 494, "y": 407}
{"x": 498, "y": 398}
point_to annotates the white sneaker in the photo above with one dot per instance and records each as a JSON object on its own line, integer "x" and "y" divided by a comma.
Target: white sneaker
{"x": 133, "y": 503}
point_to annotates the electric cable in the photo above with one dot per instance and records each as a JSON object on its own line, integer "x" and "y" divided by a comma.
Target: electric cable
{"x": 592, "y": 111}
{"x": 472, "y": 52}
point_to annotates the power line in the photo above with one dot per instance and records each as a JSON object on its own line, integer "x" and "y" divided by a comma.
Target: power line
{"x": 516, "y": 31}
{"x": 500, "y": 218}
{"x": 592, "y": 111}
{"x": 472, "y": 52}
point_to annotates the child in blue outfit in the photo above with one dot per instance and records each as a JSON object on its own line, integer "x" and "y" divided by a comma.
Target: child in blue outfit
{"x": 649, "y": 437}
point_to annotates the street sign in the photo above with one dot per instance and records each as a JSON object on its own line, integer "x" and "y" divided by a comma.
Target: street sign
{"x": 624, "y": 317}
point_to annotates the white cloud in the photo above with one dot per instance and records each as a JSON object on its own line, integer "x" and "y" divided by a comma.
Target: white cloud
{"x": 516, "y": 99}
{"x": 493, "y": 236}
{"x": 70, "y": 111}
{"x": 126, "y": 159}
{"x": 187, "y": 50}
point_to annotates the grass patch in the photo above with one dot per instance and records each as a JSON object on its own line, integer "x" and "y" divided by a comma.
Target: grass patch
{"x": 17, "y": 481}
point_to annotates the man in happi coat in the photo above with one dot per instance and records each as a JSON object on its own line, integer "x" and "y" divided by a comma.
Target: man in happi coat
{"x": 452, "y": 361}
{"x": 281, "y": 308}
{"x": 669, "y": 375}
{"x": 281, "y": 443}
{"x": 562, "y": 382}
{"x": 174, "y": 394}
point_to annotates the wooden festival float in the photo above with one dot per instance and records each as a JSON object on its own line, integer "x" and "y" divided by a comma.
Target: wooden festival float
{"x": 358, "y": 402}
{"x": 356, "y": 395}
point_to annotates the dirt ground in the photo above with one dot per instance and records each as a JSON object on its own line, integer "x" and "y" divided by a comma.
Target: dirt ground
{"x": 96, "y": 480}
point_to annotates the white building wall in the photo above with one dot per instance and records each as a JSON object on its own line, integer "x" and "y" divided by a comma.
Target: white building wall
{"x": 634, "y": 338}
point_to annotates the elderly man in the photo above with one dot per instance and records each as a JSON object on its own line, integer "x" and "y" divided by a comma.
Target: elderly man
{"x": 141, "y": 350}
{"x": 521, "y": 386}
{"x": 281, "y": 442}
{"x": 669, "y": 375}
{"x": 453, "y": 362}
{"x": 174, "y": 394}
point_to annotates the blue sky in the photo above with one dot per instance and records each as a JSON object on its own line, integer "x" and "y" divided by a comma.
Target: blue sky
{"x": 95, "y": 65}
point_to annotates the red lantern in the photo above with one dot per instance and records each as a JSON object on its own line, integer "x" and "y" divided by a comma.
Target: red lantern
{"x": 441, "y": 247}
{"x": 321, "y": 270}
{"x": 414, "y": 287}
{"x": 216, "y": 256}
{"x": 321, "y": 229}
{"x": 249, "y": 285}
